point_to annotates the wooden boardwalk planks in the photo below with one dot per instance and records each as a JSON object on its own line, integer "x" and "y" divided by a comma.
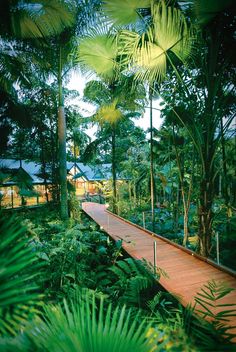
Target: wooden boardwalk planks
{"x": 186, "y": 273}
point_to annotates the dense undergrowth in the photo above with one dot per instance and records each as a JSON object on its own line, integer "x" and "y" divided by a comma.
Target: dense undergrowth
{"x": 65, "y": 286}
{"x": 167, "y": 226}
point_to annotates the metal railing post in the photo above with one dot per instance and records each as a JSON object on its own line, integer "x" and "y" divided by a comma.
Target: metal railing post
{"x": 217, "y": 248}
{"x": 155, "y": 256}
{"x": 144, "y": 225}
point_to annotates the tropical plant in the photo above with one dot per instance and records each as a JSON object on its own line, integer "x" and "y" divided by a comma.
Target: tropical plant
{"x": 103, "y": 63}
{"x": 19, "y": 297}
{"x": 27, "y": 19}
{"x": 135, "y": 282}
{"x": 203, "y": 326}
{"x": 113, "y": 112}
{"x": 211, "y": 101}
{"x": 165, "y": 35}
{"x": 21, "y": 20}
{"x": 90, "y": 325}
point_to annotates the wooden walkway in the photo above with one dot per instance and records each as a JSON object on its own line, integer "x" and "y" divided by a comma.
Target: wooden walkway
{"x": 186, "y": 273}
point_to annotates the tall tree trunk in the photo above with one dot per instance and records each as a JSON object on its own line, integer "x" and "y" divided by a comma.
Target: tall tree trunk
{"x": 226, "y": 192}
{"x": 225, "y": 179}
{"x": 135, "y": 195}
{"x": 176, "y": 211}
{"x": 114, "y": 190}
{"x": 130, "y": 194}
{"x": 205, "y": 212}
{"x": 151, "y": 162}
{"x": 54, "y": 156}
{"x": 62, "y": 147}
{"x": 43, "y": 161}
{"x": 185, "y": 198}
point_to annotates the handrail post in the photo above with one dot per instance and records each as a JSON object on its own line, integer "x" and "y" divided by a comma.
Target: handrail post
{"x": 144, "y": 225}
{"x": 155, "y": 257}
{"x": 217, "y": 248}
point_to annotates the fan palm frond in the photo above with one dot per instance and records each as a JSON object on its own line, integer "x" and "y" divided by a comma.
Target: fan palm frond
{"x": 149, "y": 52}
{"x": 171, "y": 32}
{"x": 87, "y": 326}
{"x": 31, "y": 19}
{"x": 97, "y": 53}
{"x": 126, "y": 12}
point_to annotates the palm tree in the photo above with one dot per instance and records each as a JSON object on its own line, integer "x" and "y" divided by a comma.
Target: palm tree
{"x": 147, "y": 54}
{"x": 209, "y": 95}
{"x": 103, "y": 62}
{"x": 55, "y": 58}
{"x": 114, "y": 105}
{"x": 21, "y": 20}
{"x": 28, "y": 20}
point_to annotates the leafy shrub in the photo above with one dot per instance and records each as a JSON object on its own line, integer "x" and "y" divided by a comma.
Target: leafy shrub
{"x": 19, "y": 267}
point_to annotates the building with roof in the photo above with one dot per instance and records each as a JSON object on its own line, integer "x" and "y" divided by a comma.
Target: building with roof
{"x": 21, "y": 179}
{"x": 88, "y": 178}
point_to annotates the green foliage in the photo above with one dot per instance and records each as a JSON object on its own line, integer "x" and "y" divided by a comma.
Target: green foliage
{"x": 125, "y": 13}
{"x": 81, "y": 265}
{"x": 189, "y": 327}
{"x": 75, "y": 253}
{"x": 19, "y": 268}
{"x": 208, "y": 301}
{"x": 89, "y": 326}
{"x": 46, "y": 18}
{"x": 134, "y": 283}
{"x": 149, "y": 52}
{"x": 102, "y": 58}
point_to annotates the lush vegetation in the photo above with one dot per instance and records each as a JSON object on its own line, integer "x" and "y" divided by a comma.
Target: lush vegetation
{"x": 172, "y": 51}
{"x": 64, "y": 284}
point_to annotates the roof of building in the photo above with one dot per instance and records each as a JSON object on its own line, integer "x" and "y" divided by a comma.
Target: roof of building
{"x": 33, "y": 169}
{"x": 90, "y": 172}
{"x": 95, "y": 172}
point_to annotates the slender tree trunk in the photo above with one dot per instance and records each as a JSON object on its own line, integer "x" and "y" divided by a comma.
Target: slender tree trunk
{"x": 205, "y": 207}
{"x": 226, "y": 192}
{"x": 225, "y": 179}
{"x": 176, "y": 210}
{"x": 114, "y": 189}
{"x": 135, "y": 195}
{"x": 62, "y": 148}
{"x": 151, "y": 162}
{"x": 186, "y": 203}
{"x": 43, "y": 161}
{"x": 54, "y": 156}
{"x": 130, "y": 194}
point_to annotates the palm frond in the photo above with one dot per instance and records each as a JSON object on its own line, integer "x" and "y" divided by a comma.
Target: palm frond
{"x": 126, "y": 12}
{"x": 108, "y": 113}
{"x": 31, "y": 19}
{"x": 87, "y": 326}
{"x": 147, "y": 54}
{"x": 135, "y": 280}
{"x": 170, "y": 30}
{"x": 91, "y": 150}
{"x": 97, "y": 53}
{"x": 208, "y": 298}
{"x": 96, "y": 92}
{"x": 18, "y": 292}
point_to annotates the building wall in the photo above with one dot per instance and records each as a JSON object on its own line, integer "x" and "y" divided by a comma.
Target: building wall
{"x": 10, "y": 197}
